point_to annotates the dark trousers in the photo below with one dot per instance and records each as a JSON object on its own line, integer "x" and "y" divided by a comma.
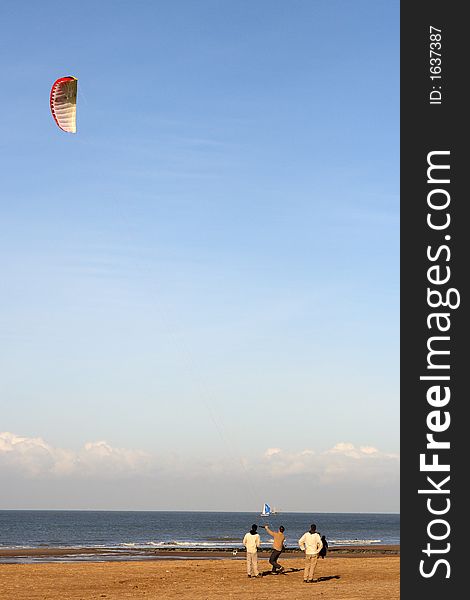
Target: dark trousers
{"x": 275, "y": 554}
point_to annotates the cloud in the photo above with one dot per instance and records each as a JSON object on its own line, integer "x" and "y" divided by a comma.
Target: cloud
{"x": 343, "y": 462}
{"x": 35, "y": 457}
{"x": 345, "y": 477}
{"x": 272, "y": 452}
{"x": 368, "y": 450}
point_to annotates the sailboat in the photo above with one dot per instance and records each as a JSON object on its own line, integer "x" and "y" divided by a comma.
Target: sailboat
{"x": 267, "y": 511}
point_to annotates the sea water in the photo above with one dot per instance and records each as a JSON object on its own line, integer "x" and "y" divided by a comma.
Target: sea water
{"x": 159, "y": 529}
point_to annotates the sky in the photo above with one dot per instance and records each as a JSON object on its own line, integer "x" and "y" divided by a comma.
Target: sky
{"x": 200, "y": 289}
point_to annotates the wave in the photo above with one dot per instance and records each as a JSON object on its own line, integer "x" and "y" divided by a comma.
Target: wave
{"x": 182, "y": 544}
{"x": 231, "y": 543}
{"x": 214, "y": 544}
{"x": 353, "y": 542}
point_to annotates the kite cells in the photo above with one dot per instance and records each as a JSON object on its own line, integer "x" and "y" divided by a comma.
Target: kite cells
{"x": 64, "y": 103}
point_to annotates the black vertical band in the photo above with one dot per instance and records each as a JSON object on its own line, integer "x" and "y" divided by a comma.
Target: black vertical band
{"x": 434, "y": 319}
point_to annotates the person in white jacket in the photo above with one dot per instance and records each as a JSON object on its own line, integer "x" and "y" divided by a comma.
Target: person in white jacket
{"x": 252, "y": 542}
{"x": 312, "y": 544}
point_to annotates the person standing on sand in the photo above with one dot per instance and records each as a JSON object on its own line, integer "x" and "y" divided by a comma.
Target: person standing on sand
{"x": 312, "y": 544}
{"x": 252, "y": 542}
{"x": 278, "y": 547}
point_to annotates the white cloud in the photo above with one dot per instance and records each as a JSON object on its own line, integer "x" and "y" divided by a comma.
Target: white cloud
{"x": 348, "y": 449}
{"x": 368, "y": 450}
{"x": 344, "y": 461}
{"x": 345, "y": 477}
{"x": 272, "y": 452}
{"x": 35, "y": 457}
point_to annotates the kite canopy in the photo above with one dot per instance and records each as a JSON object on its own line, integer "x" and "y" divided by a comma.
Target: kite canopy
{"x": 64, "y": 103}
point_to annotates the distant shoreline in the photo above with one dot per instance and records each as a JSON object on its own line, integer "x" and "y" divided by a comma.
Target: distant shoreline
{"x": 9, "y": 555}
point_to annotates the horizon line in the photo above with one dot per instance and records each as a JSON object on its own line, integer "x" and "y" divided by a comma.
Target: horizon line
{"x": 320, "y": 512}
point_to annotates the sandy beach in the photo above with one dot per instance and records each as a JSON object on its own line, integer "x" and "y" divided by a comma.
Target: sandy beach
{"x": 350, "y": 575}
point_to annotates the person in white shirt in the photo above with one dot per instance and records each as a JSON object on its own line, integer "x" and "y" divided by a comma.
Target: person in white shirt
{"x": 312, "y": 544}
{"x": 252, "y": 542}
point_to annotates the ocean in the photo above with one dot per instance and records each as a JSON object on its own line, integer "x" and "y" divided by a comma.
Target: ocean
{"x": 158, "y": 529}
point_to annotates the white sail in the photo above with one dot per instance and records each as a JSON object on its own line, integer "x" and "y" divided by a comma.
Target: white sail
{"x": 266, "y": 510}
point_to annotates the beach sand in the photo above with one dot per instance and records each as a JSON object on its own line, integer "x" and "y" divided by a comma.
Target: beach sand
{"x": 341, "y": 576}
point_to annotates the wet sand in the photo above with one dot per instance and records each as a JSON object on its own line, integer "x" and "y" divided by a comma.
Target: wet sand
{"x": 340, "y": 576}
{"x": 23, "y": 554}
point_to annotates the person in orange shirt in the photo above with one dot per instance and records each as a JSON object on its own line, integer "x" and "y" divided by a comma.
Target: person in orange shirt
{"x": 278, "y": 547}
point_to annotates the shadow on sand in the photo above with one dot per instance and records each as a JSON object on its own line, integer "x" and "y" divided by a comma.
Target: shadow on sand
{"x": 284, "y": 572}
{"x": 287, "y": 571}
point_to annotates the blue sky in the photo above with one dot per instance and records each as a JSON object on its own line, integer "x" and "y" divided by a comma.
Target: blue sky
{"x": 210, "y": 266}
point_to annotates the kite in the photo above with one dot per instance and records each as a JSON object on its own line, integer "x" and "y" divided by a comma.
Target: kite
{"x": 64, "y": 103}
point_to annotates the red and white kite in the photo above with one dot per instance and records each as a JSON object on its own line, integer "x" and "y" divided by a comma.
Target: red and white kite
{"x": 64, "y": 103}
